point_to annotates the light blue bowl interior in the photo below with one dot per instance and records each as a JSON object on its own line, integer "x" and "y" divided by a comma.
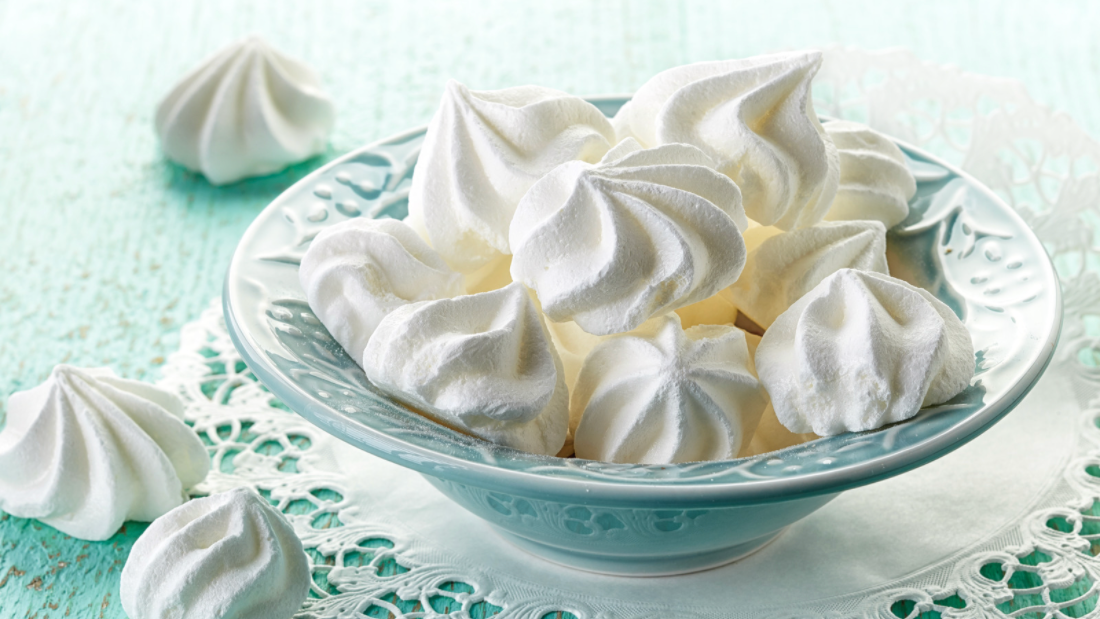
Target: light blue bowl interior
{"x": 960, "y": 242}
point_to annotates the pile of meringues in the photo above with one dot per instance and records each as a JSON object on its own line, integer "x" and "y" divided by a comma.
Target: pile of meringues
{"x": 565, "y": 283}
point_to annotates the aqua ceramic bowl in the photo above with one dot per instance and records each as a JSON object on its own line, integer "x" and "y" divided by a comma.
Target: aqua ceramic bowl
{"x": 960, "y": 242}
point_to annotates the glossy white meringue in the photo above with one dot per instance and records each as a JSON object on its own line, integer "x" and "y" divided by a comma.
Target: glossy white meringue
{"x": 875, "y": 182}
{"x": 860, "y": 351}
{"x": 755, "y": 118}
{"x": 229, "y": 555}
{"x": 641, "y": 233}
{"x": 482, "y": 152}
{"x": 661, "y": 394}
{"x": 86, "y": 450}
{"x": 482, "y": 364}
{"x": 785, "y": 266}
{"x": 358, "y": 271}
{"x": 248, "y": 110}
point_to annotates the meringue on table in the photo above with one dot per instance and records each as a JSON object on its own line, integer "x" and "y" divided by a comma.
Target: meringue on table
{"x": 481, "y": 153}
{"x": 248, "y": 110}
{"x": 862, "y": 350}
{"x": 643, "y": 232}
{"x": 229, "y": 555}
{"x": 661, "y": 395}
{"x": 755, "y": 118}
{"x": 482, "y": 364}
{"x": 86, "y": 451}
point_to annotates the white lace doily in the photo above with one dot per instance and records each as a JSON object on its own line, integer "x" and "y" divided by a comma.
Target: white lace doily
{"x": 1008, "y": 525}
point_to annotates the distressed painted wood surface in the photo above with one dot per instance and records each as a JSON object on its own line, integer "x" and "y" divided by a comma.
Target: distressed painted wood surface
{"x": 106, "y": 248}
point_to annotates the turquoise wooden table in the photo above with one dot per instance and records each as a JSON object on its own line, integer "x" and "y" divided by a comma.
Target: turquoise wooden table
{"x": 106, "y": 249}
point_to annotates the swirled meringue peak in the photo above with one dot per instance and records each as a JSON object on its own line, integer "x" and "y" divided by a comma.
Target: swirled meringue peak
{"x": 229, "y": 555}
{"x": 787, "y": 265}
{"x": 358, "y": 271}
{"x": 753, "y": 116}
{"x": 639, "y": 234}
{"x": 875, "y": 182}
{"x": 482, "y": 152}
{"x": 661, "y": 394}
{"x": 862, "y": 350}
{"x": 248, "y": 110}
{"x": 86, "y": 450}
{"x": 482, "y": 364}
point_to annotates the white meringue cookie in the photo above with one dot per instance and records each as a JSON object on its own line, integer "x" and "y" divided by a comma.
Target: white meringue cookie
{"x": 358, "y": 271}
{"x": 229, "y": 555}
{"x": 785, "y": 266}
{"x": 770, "y": 435}
{"x": 755, "y": 117}
{"x": 875, "y": 182}
{"x": 248, "y": 110}
{"x": 85, "y": 451}
{"x": 482, "y": 364}
{"x": 860, "y": 351}
{"x": 661, "y": 395}
{"x": 483, "y": 150}
{"x": 642, "y": 233}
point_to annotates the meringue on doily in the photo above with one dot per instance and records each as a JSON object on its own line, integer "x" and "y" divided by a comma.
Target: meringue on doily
{"x": 248, "y": 110}
{"x": 229, "y": 555}
{"x": 643, "y": 232}
{"x": 482, "y": 364}
{"x": 482, "y": 152}
{"x": 862, "y": 350}
{"x": 782, "y": 267}
{"x": 86, "y": 450}
{"x": 875, "y": 182}
{"x": 661, "y": 394}
{"x": 755, "y": 118}
{"x": 358, "y": 271}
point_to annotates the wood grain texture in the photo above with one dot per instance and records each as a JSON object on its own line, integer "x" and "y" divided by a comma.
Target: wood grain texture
{"x": 106, "y": 248}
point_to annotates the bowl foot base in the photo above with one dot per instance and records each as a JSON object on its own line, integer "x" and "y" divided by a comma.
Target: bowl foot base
{"x": 639, "y": 565}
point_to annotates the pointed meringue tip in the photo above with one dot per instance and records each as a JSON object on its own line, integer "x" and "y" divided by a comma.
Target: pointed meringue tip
{"x": 254, "y": 39}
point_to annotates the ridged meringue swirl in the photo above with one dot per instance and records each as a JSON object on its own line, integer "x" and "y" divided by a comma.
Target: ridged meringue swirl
{"x": 860, "y": 351}
{"x": 755, "y": 117}
{"x": 358, "y": 271}
{"x": 248, "y": 110}
{"x": 86, "y": 450}
{"x": 789, "y": 264}
{"x": 641, "y": 233}
{"x": 662, "y": 394}
{"x": 482, "y": 152}
{"x": 875, "y": 182}
{"x": 230, "y": 555}
{"x": 481, "y": 364}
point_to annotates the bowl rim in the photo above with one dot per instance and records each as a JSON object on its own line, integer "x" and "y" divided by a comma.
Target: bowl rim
{"x": 610, "y": 491}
